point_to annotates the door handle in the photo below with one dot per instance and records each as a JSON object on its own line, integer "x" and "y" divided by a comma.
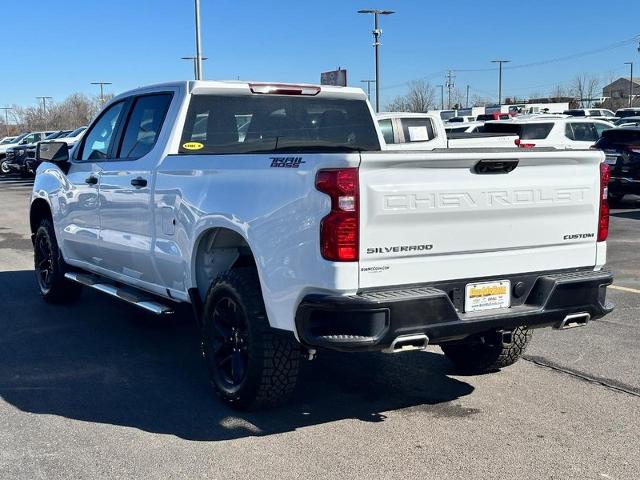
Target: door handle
{"x": 139, "y": 182}
{"x": 91, "y": 180}
{"x": 495, "y": 166}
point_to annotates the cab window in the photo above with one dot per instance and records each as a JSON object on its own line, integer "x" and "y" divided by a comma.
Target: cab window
{"x": 99, "y": 137}
{"x": 386, "y": 126}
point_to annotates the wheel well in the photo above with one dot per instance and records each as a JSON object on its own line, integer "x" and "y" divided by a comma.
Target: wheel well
{"x": 39, "y": 210}
{"x": 219, "y": 250}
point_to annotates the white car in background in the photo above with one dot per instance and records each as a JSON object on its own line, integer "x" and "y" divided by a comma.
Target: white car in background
{"x": 6, "y": 140}
{"x": 426, "y": 131}
{"x": 568, "y": 133}
{"x": 466, "y": 127}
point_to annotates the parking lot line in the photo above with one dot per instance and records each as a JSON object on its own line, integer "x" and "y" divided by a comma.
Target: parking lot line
{"x": 624, "y": 289}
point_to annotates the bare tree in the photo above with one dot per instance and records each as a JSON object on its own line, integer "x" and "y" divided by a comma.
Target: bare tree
{"x": 559, "y": 91}
{"x": 76, "y": 110}
{"x": 479, "y": 101}
{"x": 419, "y": 98}
{"x": 585, "y": 88}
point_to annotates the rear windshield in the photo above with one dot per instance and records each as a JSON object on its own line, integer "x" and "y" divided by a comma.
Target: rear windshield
{"x": 526, "y": 131}
{"x": 575, "y": 113}
{"x": 277, "y": 123}
{"x": 621, "y": 135}
{"x": 627, "y": 113}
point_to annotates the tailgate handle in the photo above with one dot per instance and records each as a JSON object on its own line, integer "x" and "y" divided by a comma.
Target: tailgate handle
{"x": 495, "y": 166}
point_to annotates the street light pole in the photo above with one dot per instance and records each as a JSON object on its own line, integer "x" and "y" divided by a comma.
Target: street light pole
{"x": 102, "y": 84}
{"x": 467, "y": 103}
{"x": 195, "y": 64}
{"x": 368, "y": 82}
{"x": 376, "y": 45}
{"x": 630, "y": 84}
{"x": 441, "y": 96}
{"x": 198, "y": 61}
{"x": 500, "y": 62}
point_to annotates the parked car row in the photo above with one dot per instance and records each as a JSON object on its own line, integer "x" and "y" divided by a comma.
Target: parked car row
{"x": 18, "y": 154}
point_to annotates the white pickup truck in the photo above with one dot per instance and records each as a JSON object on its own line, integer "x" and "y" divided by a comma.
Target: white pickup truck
{"x": 273, "y": 210}
{"x": 427, "y": 131}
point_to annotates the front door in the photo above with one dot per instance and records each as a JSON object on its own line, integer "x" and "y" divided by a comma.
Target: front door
{"x": 78, "y": 200}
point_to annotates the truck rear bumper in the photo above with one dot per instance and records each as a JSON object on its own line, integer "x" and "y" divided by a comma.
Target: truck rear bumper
{"x": 373, "y": 319}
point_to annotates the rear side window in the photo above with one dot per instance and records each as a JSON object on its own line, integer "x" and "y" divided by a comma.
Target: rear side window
{"x": 144, "y": 124}
{"x": 526, "y": 131}
{"x": 581, "y": 132}
{"x": 417, "y": 129}
{"x": 218, "y": 124}
{"x": 387, "y": 130}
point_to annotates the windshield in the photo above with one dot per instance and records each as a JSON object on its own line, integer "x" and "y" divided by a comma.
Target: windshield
{"x": 19, "y": 137}
{"x": 277, "y": 123}
{"x": 7, "y": 140}
{"x": 77, "y": 132}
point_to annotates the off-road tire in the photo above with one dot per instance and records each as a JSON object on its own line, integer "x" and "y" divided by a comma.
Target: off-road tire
{"x": 54, "y": 288}
{"x": 272, "y": 357}
{"x": 489, "y": 355}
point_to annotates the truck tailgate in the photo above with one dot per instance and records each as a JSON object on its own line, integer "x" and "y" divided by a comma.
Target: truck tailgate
{"x": 429, "y": 216}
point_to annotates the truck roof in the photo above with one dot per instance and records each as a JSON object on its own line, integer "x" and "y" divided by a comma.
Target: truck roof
{"x": 219, "y": 86}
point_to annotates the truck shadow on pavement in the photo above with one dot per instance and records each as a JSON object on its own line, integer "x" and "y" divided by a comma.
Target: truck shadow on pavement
{"x": 102, "y": 361}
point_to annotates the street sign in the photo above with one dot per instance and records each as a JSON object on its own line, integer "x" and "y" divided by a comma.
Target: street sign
{"x": 335, "y": 77}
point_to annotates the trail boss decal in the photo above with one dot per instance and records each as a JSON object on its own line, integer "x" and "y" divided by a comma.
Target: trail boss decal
{"x": 286, "y": 162}
{"x": 401, "y": 248}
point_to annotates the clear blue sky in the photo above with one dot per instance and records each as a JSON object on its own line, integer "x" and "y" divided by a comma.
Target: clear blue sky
{"x": 57, "y": 48}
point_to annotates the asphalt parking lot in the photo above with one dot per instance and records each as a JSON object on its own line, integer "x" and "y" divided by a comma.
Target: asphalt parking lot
{"x": 99, "y": 390}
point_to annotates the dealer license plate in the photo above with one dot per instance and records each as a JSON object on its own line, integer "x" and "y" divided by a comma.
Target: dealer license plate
{"x": 487, "y": 296}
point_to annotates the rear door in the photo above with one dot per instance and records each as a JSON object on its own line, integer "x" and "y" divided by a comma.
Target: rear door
{"x": 428, "y": 216}
{"x": 126, "y": 215}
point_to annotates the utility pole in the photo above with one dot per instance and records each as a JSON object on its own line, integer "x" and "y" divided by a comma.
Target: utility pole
{"x": 44, "y": 109}
{"x": 441, "y": 96}
{"x": 630, "y": 84}
{"x": 368, "y": 82}
{"x": 102, "y": 84}
{"x": 376, "y": 45}
{"x": 500, "y": 62}
{"x": 198, "y": 68}
{"x": 6, "y": 117}
{"x": 450, "y": 85}
{"x": 195, "y": 64}
{"x": 467, "y": 103}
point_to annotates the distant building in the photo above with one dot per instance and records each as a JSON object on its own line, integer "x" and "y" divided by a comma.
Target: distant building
{"x": 617, "y": 93}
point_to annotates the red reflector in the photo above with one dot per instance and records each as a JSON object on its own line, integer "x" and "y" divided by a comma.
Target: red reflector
{"x": 603, "y": 217}
{"x": 283, "y": 89}
{"x": 340, "y": 229}
{"x": 520, "y": 144}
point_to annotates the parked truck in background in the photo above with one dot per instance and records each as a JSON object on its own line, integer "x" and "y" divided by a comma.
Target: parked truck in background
{"x": 273, "y": 210}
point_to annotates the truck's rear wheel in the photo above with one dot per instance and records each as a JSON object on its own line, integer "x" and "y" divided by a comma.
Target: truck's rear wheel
{"x": 488, "y": 353}
{"x": 50, "y": 267}
{"x": 250, "y": 364}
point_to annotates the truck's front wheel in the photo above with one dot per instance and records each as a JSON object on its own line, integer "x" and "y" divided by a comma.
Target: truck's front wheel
{"x": 489, "y": 352}
{"x": 250, "y": 364}
{"x": 50, "y": 267}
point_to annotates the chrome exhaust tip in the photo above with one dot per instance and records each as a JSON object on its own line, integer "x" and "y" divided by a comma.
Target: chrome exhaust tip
{"x": 406, "y": 343}
{"x": 573, "y": 320}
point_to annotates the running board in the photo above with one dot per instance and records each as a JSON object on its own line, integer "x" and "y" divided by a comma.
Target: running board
{"x": 128, "y": 296}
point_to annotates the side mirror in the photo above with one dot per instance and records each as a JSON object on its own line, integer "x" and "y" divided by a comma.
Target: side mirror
{"x": 54, "y": 152}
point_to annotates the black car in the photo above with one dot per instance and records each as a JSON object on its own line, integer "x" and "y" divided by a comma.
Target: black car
{"x": 17, "y": 156}
{"x": 622, "y": 149}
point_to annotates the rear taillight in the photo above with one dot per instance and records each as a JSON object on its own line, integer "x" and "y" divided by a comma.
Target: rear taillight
{"x": 603, "y": 217}
{"x": 520, "y": 144}
{"x": 340, "y": 230}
